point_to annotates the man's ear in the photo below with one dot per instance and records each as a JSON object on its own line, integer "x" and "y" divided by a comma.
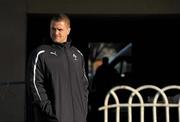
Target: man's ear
{"x": 69, "y": 30}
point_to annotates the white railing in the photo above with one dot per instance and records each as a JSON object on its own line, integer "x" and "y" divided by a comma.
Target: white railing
{"x": 165, "y": 102}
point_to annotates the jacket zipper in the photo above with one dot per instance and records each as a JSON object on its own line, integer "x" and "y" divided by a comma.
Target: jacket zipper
{"x": 69, "y": 71}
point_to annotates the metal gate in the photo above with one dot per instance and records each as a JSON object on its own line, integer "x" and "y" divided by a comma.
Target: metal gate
{"x": 154, "y": 102}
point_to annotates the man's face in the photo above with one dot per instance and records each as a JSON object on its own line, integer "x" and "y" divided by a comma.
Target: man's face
{"x": 59, "y": 31}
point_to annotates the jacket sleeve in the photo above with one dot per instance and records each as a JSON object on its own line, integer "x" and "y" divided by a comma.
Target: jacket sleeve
{"x": 86, "y": 85}
{"x": 36, "y": 85}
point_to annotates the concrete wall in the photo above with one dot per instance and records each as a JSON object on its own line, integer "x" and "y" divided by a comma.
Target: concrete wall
{"x": 12, "y": 59}
{"x": 12, "y": 105}
{"x": 104, "y": 6}
{"x": 12, "y": 39}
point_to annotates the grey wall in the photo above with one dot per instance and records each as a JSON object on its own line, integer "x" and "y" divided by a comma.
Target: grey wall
{"x": 12, "y": 59}
{"x": 104, "y": 6}
{"x": 13, "y": 38}
{"x": 12, "y": 103}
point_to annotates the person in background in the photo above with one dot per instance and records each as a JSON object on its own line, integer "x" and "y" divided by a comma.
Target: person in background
{"x": 104, "y": 79}
{"x": 57, "y": 86}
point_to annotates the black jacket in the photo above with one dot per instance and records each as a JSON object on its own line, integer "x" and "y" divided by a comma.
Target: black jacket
{"x": 57, "y": 84}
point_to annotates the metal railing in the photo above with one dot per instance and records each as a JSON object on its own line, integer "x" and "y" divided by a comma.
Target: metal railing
{"x": 165, "y": 102}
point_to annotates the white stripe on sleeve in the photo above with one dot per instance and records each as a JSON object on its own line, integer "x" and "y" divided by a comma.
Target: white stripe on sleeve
{"x": 34, "y": 73}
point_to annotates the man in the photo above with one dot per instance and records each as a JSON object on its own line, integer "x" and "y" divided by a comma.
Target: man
{"x": 57, "y": 84}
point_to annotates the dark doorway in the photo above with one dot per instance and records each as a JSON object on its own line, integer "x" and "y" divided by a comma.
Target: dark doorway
{"x": 154, "y": 38}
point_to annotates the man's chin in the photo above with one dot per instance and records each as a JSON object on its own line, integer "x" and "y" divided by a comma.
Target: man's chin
{"x": 59, "y": 41}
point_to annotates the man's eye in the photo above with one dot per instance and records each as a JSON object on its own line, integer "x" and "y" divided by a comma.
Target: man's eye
{"x": 59, "y": 29}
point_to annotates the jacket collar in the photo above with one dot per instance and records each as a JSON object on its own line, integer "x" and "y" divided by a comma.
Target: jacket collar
{"x": 62, "y": 45}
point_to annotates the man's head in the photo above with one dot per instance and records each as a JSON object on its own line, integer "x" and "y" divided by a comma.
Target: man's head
{"x": 105, "y": 60}
{"x": 60, "y": 28}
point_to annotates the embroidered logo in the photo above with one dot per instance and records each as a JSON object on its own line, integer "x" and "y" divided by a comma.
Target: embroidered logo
{"x": 53, "y": 53}
{"x": 75, "y": 57}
